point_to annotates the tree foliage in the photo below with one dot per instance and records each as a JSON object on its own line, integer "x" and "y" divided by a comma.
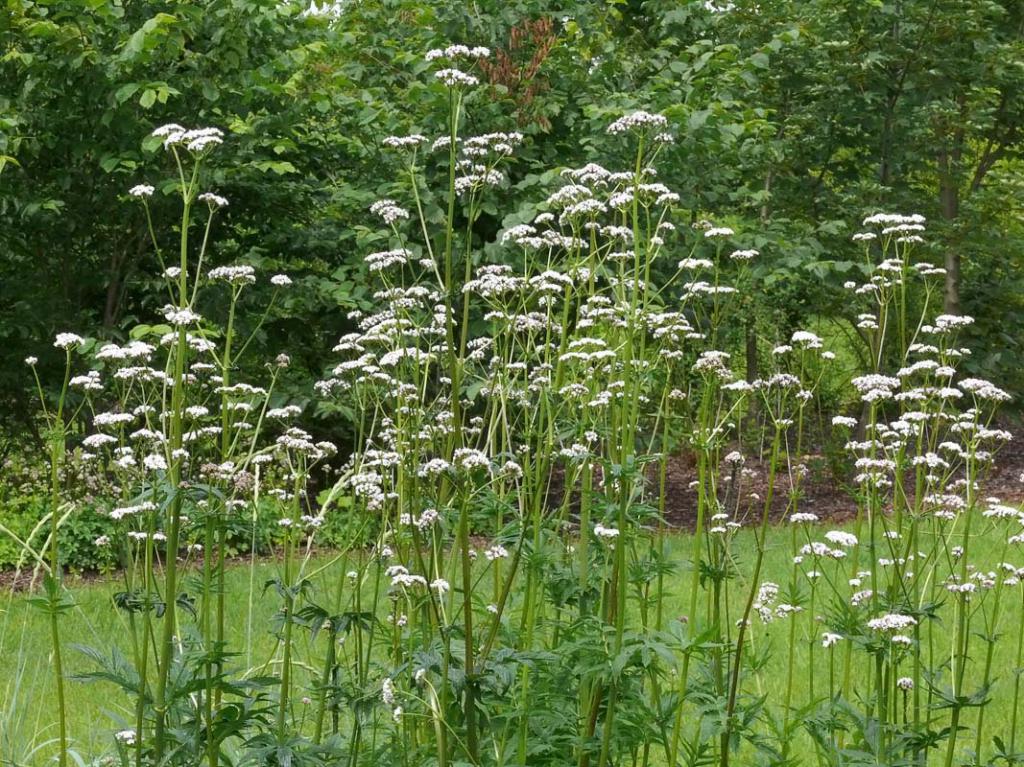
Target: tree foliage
{"x": 791, "y": 116}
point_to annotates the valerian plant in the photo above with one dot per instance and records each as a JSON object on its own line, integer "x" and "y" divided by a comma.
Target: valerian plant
{"x": 515, "y": 407}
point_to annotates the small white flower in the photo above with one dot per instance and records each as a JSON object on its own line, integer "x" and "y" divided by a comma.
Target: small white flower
{"x": 197, "y": 140}
{"x": 389, "y": 211}
{"x": 241, "y": 274}
{"x": 166, "y": 130}
{"x": 458, "y": 51}
{"x": 288, "y": 411}
{"x": 68, "y": 340}
{"x": 456, "y": 77}
{"x": 141, "y": 191}
{"x": 404, "y": 142}
{"x": 496, "y": 552}
{"x": 803, "y": 517}
{"x": 806, "y": 339}
{"x": 841, "y": 538}
{"x": 891, "y": 622}
{"x": 281, "y": 280}
{"x": 735, "y": 458}
{"x": 639, "y": 120}
{"x": 213, "y": 200}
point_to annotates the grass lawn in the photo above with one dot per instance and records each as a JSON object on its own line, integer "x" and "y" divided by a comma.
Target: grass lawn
{"x": 97, "y": 709}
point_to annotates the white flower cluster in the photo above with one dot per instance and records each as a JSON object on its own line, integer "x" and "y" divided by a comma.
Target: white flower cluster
{"x": 67, "y": 341}
{"x": 803, "y": 518}
{"x": 498, "y": 143}
{"x": 196, "y": 140}
{"x": 983, "y": 390}
{"x": 893, "y": 219}
{"x": 213, "y": 200}
{"x": 241, "y": 274}
{"x": 874, "y": 387}
{"x": 405, "y": 142}
{"x": 892, "y": 622}
{"x": 767, "y": 593}
{"x": 387, "y": 259}
{"x": 841, "y": 538}
{"x": 456, "y": 52}
{"x": 455, "y": 78}
{"x": 639, "y": 121}
{"x": 390, "y": 211}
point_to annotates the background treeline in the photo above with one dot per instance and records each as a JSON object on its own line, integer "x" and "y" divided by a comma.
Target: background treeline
{"x": 794, "y": 121}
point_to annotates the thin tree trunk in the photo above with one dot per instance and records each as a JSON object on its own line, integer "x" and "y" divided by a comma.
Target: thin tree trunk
{"x": 751, "y": 350}
{"x": 112, "y": 304}
{"x": 949, "y": 204}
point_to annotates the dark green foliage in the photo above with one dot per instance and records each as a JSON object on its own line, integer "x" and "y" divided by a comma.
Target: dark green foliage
{"x": 78, "y": 542}
{"x": 791, "y": 119}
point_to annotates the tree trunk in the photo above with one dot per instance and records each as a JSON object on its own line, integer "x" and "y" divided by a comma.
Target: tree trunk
{"x": 951, "y": 297}
{"x": 113, "y": 298}
{"x": 117, "y": 274}
{"x": 949, "y": 204}
{"x": 751, "y": 351}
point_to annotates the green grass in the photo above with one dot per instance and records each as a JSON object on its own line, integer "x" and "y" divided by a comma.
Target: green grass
{"x": 97, "y": 709}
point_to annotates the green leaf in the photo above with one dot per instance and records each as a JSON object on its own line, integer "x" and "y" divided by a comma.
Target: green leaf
{"x": 279, "y": 167}
{"x": 142, "y": 331}
{"x": 760, "y": 60}
{"x": 147, "y": 36}
{"x": 125, "y": 92}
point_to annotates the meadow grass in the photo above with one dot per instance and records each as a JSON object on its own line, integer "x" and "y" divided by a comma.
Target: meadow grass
{"x": 97, "y": 709}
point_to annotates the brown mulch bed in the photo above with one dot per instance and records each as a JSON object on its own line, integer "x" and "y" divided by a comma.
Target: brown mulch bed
{"x": 821, "y": 493}
{"x": 22, "y": 580}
